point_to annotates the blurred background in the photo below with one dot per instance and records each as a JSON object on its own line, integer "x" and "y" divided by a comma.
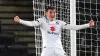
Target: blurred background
{"x": 23, "y": 35}
{"x": 19, "y": 40}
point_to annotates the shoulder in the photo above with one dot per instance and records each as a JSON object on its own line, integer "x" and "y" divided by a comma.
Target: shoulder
{"x": 41, "y": 19}
{"x": 61, "y": 22}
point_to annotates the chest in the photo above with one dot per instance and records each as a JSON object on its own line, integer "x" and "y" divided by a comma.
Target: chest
{"x": 52, "y": 26}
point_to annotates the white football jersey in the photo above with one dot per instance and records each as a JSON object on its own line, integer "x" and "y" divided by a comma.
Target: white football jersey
{"x": 51, "y": 30}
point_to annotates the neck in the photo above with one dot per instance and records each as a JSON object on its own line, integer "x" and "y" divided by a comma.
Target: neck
{"x": 50, "y": 19}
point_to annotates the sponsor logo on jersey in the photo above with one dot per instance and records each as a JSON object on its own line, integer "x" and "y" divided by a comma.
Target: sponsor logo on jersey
{"x": 52, "y": 28}
{"x": 52, "y": 33}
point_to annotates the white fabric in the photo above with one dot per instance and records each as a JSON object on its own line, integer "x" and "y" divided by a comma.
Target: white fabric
{"x": 51, "y": 30}
{"x": 49, "y": 51}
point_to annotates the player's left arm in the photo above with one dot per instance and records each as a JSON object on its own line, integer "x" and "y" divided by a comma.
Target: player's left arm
{"x": 79, "y": 27}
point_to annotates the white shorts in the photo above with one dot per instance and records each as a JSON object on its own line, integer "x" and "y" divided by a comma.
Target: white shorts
{"x": 51, "y": 51}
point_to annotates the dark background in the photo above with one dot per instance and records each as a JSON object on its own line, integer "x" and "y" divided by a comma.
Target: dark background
{"x": 24, "y": 9}
{"x": 88, "y": 39}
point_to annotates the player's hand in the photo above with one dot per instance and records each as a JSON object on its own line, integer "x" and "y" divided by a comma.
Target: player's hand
{"x": 91, "y": 23}
{"x": 16, "y": 19}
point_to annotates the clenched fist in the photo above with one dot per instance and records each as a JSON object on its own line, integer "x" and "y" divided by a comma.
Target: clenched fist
{"x": 91, "y": 23}
{"x": 16, "y": 19}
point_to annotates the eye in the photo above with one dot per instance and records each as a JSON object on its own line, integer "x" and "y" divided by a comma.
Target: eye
{"x": 50, "y": 12}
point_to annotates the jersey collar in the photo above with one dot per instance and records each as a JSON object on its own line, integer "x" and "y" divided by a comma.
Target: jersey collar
{"x": 49, "y": 20}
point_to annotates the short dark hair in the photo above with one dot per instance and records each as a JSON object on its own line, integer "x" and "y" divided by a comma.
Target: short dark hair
{"x": 48, "y": 8}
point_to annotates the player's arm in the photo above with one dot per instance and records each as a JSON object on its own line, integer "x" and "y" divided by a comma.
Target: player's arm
{"x": 79, "y": 27}
{"x": 27, "y": 23}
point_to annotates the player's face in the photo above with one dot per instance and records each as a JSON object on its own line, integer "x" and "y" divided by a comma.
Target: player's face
{"x": 51, "y": 14}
